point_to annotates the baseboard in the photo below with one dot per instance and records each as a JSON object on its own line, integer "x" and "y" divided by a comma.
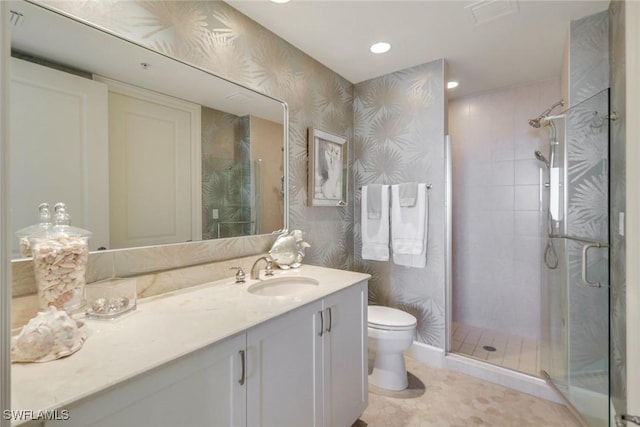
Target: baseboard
{"x": 428, "y": 354}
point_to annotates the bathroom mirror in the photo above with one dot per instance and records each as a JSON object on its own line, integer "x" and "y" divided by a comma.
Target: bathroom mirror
{"x": 143, "y": 149}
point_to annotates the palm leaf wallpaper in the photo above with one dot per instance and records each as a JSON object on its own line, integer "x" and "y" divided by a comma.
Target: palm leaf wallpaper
{"x": 399, "y": 137}
{"x": 588, "y": 201}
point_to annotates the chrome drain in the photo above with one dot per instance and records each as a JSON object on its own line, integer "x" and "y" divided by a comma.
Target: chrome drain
{"x": 489, "y": 348}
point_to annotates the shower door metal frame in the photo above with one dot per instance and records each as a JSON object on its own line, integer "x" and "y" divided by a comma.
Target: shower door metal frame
{"x": 448, "y": 250}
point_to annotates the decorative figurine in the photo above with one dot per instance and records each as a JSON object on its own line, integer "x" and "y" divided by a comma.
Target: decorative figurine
{"x": 288, "y": 250}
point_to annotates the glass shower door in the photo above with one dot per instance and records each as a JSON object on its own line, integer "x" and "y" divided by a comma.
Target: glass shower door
{"x": 576, "y": 328}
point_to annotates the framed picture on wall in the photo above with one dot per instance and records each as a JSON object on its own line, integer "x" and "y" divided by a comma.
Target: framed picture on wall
{"x": 327, "y": 169}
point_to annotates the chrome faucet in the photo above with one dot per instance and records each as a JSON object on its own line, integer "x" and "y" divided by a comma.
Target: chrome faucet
{"x": 255, "y": 269}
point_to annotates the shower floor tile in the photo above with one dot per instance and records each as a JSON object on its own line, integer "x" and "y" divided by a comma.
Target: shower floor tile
{"x": 511, "y": 351}
{"x": 442, "y": 398}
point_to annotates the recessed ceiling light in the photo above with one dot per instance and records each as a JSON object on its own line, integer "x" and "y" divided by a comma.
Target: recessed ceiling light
{"x": 451, "y": 85}
{"x": 280, "y": 1}
{"x": 380, "y": 47}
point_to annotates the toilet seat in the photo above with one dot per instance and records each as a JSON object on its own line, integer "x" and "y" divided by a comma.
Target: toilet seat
{"x": 390, "y": 319}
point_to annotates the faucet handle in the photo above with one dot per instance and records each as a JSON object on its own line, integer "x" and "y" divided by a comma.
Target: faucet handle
{"x": 268, "y": 270}
{"x": 240, "y": 274}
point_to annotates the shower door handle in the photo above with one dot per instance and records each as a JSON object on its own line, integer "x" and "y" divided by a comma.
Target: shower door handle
{"x": 585, "y": 250}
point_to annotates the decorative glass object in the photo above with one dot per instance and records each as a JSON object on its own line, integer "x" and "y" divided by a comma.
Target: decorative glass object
{"x": 288, "y": 250}
{"x": 43, "y": 224}
{"x": 60, "y": 256}
{"x": 110, "y": 298}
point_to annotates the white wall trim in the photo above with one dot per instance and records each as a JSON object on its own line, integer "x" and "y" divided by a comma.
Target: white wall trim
{"x": 428, "y": 354}
{"x": 5, "y": 240}
{"x": 632, "y": 53}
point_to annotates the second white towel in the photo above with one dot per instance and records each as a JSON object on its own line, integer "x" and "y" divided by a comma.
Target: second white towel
{"x": 375, "y": 232}
{"x": 409, "y": 229}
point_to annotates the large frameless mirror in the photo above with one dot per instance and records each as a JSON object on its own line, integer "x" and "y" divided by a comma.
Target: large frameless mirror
{"x": 142, "y": 148}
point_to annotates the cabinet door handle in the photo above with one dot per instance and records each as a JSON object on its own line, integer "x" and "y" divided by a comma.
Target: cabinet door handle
{"x": 242, "y": 361}
{"x": 321, "y": 323}
{"x": 330, "y": 319}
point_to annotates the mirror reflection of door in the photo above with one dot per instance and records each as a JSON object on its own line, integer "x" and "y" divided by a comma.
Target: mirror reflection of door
{"x": 153, "y": 178}
{"x": 59, "y": 148}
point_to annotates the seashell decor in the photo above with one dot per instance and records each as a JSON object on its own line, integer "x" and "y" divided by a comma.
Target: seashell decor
{"x": 288, "y": 250}
{"x": 50, "y": 335}
{"x": 60, "y": 266}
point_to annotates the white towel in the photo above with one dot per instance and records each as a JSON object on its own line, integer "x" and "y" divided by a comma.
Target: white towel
{"x": 409, "y": 229}
{"x": 375, "y": 232}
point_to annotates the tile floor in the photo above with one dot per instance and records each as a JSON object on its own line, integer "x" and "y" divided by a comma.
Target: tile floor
{"x": 440, "y": 398}
{"x": 512, "y": 351}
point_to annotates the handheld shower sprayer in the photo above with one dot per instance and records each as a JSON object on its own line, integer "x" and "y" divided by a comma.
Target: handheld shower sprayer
{"x": 537, "y": 122}
{"x": 542, "y": 158}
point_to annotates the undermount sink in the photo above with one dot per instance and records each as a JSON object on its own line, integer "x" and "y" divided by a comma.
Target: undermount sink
{"x": 283, "y": 286}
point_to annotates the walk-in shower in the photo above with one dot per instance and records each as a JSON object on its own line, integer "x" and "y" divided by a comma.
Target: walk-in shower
{"x": 540, "y": 196}
{"x": 496, "y": 224}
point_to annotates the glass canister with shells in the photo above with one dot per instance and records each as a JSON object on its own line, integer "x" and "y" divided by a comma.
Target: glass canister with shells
{"x": 60, "y": 256}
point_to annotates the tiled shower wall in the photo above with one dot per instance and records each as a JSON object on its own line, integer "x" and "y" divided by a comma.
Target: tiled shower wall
{"x": 497, "y": 211}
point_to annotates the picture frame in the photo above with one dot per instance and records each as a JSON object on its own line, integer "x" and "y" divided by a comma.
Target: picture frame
{"x": 327, "y": 169}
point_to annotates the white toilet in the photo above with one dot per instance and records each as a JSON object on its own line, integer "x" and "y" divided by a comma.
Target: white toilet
{"x": 391, "y": 331}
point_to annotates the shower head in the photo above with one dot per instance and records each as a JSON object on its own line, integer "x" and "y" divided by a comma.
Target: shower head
{"x": 537, "y": 122}
{"x": 542, "y": 158}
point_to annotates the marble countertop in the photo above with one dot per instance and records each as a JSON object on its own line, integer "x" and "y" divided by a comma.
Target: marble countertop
{"x": 161, "y": 329}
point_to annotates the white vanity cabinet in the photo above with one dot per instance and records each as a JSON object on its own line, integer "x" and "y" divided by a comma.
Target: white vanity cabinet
{"x": 345, "y": 356}
{"x": 308, "y": 367}
{"x": 200, "y": 389}
{"x": 284, "y": 375}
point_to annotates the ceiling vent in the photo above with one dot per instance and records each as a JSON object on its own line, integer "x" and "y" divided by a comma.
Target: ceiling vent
{"x": 484, "y": 11}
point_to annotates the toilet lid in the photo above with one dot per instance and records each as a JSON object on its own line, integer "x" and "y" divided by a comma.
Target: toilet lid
{"x": 389, "y": 318}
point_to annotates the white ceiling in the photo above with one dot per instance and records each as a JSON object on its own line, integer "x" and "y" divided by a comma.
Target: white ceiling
{"x": 520, "y": 47}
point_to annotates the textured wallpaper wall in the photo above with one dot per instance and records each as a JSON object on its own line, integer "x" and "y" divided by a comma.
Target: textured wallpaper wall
{"x": 216, "y": 37}
{"x": 587, "y": 198}
{"x": 399, "y": 129}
